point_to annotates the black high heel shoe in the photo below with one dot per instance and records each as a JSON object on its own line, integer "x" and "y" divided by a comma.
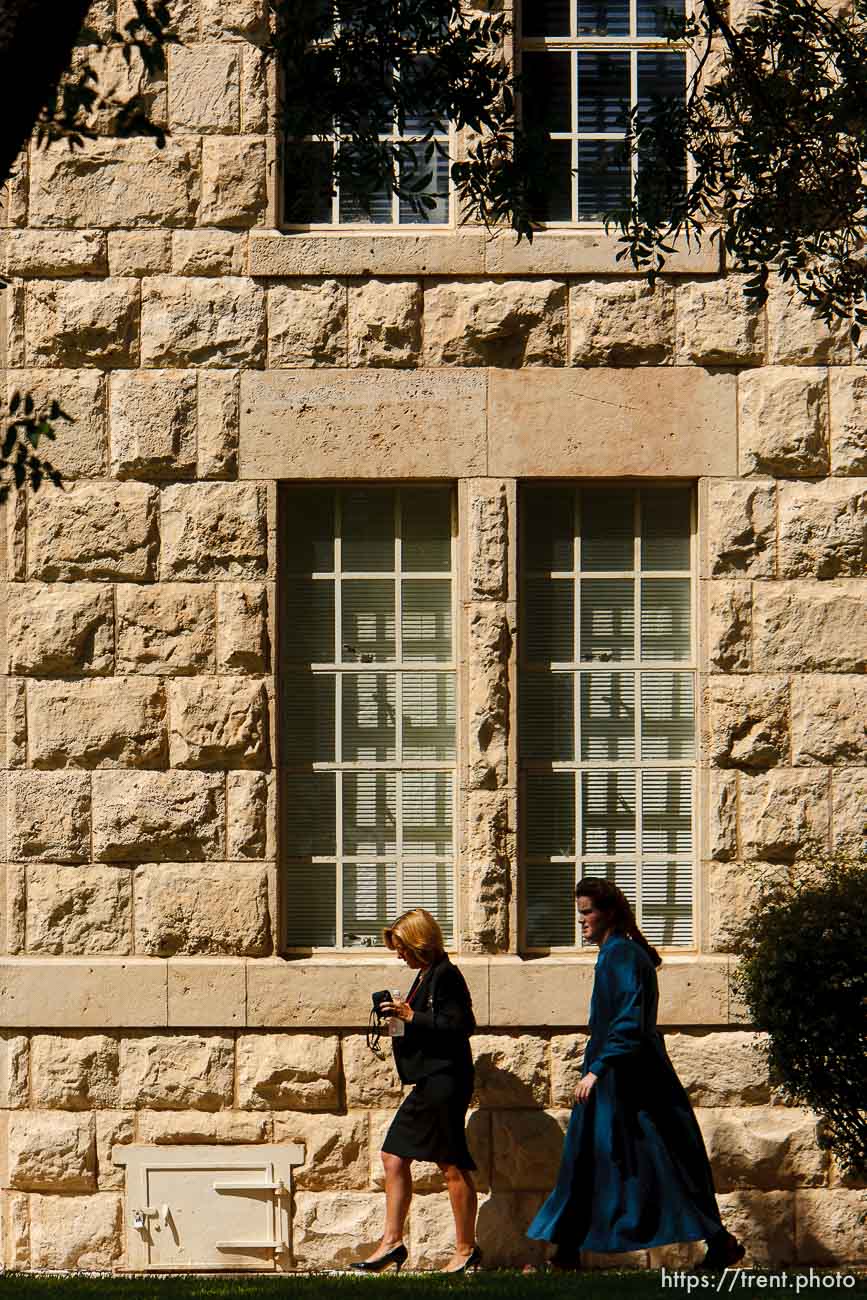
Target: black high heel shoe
{"x": 397, "y": 1256}
{"x": 470, "y": 1264}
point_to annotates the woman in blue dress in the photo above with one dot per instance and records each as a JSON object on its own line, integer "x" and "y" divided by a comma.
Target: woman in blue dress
{"x": 634, "y": 1171}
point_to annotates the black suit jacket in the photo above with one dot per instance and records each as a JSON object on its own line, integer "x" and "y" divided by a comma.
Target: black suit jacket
{"x": 437, "y": 1039}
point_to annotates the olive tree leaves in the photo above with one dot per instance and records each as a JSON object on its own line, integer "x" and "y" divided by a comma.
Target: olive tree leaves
{"x": 25, "y": 426}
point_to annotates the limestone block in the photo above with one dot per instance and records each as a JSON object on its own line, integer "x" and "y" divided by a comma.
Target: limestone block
{"x": 511, "y": 1070}
{"x": 81, "y": 1233}
{"x": 17, "y": 1245}
{"x": 258, "y": 89}
{"x": 732, "y": 896}
{"x": 78, "y": 911}
{"x": 729, "y": 625}
{"x": 490, "y": 640}
{"x": 139, "y": 252}
{"x": 100, "y": 18}
{"x": 810, "y": 627}
{"x": 247, "y": 815}
{"x": 491, "y": 858}
{"x": 214, "y": 530}
{"x": 51, "y": 1151}
{"x": 74, "y": 1071}
{"x": 233, "y": 181}
{"x": 785, "y": 814}
{"x": 823, "y": 528}
{"x": 741, "y": 529}
{"x": 431, "y": 1231}
{"x": 502, "y": 1227}
{"x": 218, "y": 424}
{"x": 495, "y": 323}
{"x": 749, "y": 721}
{"x": 182, "y": 1128}
{"x": 797, "y": 336}
{"x": 288, "y": 1072}
{"x": 14, "y": 1071}
{"x": 202, "y": 910}
{"x": 204, "y": 88}
{"x": 722, "y": 816}
{"x": 489, "y": 543}
{"x": 307, "y": 324}
{"x": 284, "y": 254}
{"x": 208, "y": 252}
{"x": 177, "y": 1072}
{"x": 247, "y": 18}
{"x": 167, "y": 629}
{"x": 218, "y": 723}
{"x": 183, "y": 17}
{"x": 764, "y": 1222}
{"x": 102, "y": 722}
{"x": 49, "y": 816}
{"x": 567, "y": 1057}
{"x": 828, "y": 719}
{"x": 207, "y": 993}
{"x": 830, "y": 1226}
{"x": 192, "y": 321}
{"x": 716, "y": 326}
{"x": 60, "y": 629}
{"x": 527, "y": 1145}
{"x": 368, "y": 1081}
{"x": 79, "y": 450}
{"x": 330, "y": 1229}
{"x": 116, "y": 184}
{"x": 620, "y": 323}
{"x": 721, "y": 1069}
{"x": 848, "y": 421}
{"x": 242, "y": 620}
{"x": 783, "y": 422}
{"x": 158, "y": 816}
{"x": 121, "y": 74}
{"x": 13, "y": 890}
{"x": 849, "y": 818}
{"x": 426, "y": 1176}
{"x": 385, "y": 322}
{"x": 82, "y": 322}
{"x": 336, "y": 1150}
{"x": 16, "y": 722}
{"x": 153, "y": 424}
{"x": 95, "y": 531}
{"x": 114, "y": 1128}
{"x": 771, "y": 1148}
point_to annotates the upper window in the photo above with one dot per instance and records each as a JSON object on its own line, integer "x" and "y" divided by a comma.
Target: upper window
{"x": 587, "y": 65}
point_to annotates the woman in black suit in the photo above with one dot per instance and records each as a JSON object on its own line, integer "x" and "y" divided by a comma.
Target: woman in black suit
{"x": 434, "y": 1055}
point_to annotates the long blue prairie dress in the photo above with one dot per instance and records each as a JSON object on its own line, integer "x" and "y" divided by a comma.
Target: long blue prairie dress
{"x": 634, "y": 1171}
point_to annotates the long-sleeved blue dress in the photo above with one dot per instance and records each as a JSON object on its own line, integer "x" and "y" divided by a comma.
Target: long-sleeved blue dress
{"x": 634, "y": 1171}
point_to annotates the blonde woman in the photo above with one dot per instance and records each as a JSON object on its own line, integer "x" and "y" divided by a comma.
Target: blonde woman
{"x": 434, "y": 1055}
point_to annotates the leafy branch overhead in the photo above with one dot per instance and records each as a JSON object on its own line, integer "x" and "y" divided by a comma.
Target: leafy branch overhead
{"x": 26, "y": 425}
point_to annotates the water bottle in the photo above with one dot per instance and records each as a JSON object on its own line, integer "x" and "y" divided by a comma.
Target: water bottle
{"x": 396, "y": 1027}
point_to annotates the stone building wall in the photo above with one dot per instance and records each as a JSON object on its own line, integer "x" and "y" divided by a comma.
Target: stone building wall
{"x": 205, "y": 356}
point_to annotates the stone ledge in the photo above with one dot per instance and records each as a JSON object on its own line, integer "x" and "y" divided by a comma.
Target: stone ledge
{"x": 584, "y": 252}
{"x": 287, "y": 254}
{"x": 98, "y": 993}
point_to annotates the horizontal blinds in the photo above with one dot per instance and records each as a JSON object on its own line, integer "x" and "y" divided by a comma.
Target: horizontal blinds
{"x": 607, "y": 716}
{"x": 665, "y": 619}
{"x": 546, "y": 713}
{"x": 429, "y": 885}
{"x": 607, "y": 528}
{"x": 311, "y": 904}
{"x": 665, "y": 528}
{"x": 667, "y": 902}
{"x": 368, "y": 620}
{"x": 607, "y": 619}
{"x": 426, "y": 623}
{"x": 426, "y": 530}
{"x": 369, "y": 900}
{"x": 666, "y": 812}
{"x": 667, "y": 715}
{"x": 428, "y": 714}
{"x": 608, "y": 812}
{"x": 369, "y": 717}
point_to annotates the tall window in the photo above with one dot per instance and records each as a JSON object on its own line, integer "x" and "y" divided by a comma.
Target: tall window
{"x": 367, "y": 710}
{"x": 586, "y": 64}
{"x": 607, "y": 704}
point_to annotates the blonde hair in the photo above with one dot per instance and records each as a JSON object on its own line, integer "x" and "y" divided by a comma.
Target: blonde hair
{"x": 418, "y": 932}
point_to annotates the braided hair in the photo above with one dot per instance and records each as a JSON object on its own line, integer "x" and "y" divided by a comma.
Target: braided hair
{"x": 611, "y": 900}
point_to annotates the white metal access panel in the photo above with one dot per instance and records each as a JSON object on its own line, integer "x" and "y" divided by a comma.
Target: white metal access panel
{"x": 201, "y": 1207}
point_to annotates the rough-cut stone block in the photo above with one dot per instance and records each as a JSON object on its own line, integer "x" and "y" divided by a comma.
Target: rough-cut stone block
{"x": 49, "y": 816}
{"x": 218, "y": 723}
{"x": 767, "y": 1148}
{"x": 114, "y": 1128}
{"x": 182, "y": 1128}
{"x": 330, "y": 1229}
{"x": 233, "y": 181}
{"x": 158, "y": 816}
{"x": 491, "y": 853}
{"x": 183, "y": 17}
{"x": 204, "y": 88}
{"x": 307, "y": 324}
{"x": 336, "y": 1156}
{"x": 59, "y": 629}
{"x": 527, "y": 1145}
{"x": 208, "y": 252}
{"x": 490, "y": 639}
{"x": 139, "y": 252}
{"x": 431, "y": 1230}
{"x": 14, "y": 1071}
{"x": 848, "y": 421}
{"x": 620, "y": 323}
{"x": 247, "y": 815}
{"x": 489, "y": 541}
{"x": 567, "y": 1059}
{"x": 242, "y": 622}
{"x": 764, "y": 1222}
{"x": 741, "y": 529}
{"x": 216, "y": 910}
{"x": 153, "y": 424}
{"x": 121, "y": 74}
{"x": 749, "y": 721}
{"x": 207, "y": 994}
{"x": 96, "y": 530}
{"x": 167, "y": 629}
{"x": 288, "y": 1072}
{"x": 828, "y": 719}
{"x": 369, "y": 1081}
{"x": 79, "y": 450}
{"x": 74, "y": 1071}
{"x": 716, "y": 326}
{"x": 823, "y": 528}
{"x": 487, "y": 323}
{"x": 82, "y": 322}
{"x": 729, "y": 625}
{"x": 722, "y": 822}
{"x": 103, "y": 722}
{"x": 785, "y": 814}
{"x": 849, "y": 819}
{"x": 177, "y": 1072}
{"x": 51, "y": 1151}
{"x": 75, "y": 1232}
{"x": 218, "y": 424}
{"x": 830, "y": 1226}
{"x": 502, "y": 1227}
{"x": 115, "y": 184}
{"x": 784, "y": 422}
{"x": 797, "y": 336}
{"x": 511, "y": 1070}
{"x": 722, "y": 1069}
{"x": 191, "y": 321}
{"x": 247, "y": 18}
{"x": 733, "y": 890}
{"x": 214, "y": 530}
{"x": 258, "y": 89}
{"x": 810, "y": 627}
{"x": 385, "y": 322}
{"x": 78, "y": 911}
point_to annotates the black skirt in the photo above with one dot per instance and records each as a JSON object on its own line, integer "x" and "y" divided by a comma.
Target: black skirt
{"x": 431, "y": 1123}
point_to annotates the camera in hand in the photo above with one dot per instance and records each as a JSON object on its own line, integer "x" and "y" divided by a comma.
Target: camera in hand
{"x": 378, "y": 999}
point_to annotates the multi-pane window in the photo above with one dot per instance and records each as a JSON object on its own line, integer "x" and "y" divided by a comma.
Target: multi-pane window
{"x": 586, "y": 64}
{"x": 607, "y": 704}
{"x": 367, "y": 710}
